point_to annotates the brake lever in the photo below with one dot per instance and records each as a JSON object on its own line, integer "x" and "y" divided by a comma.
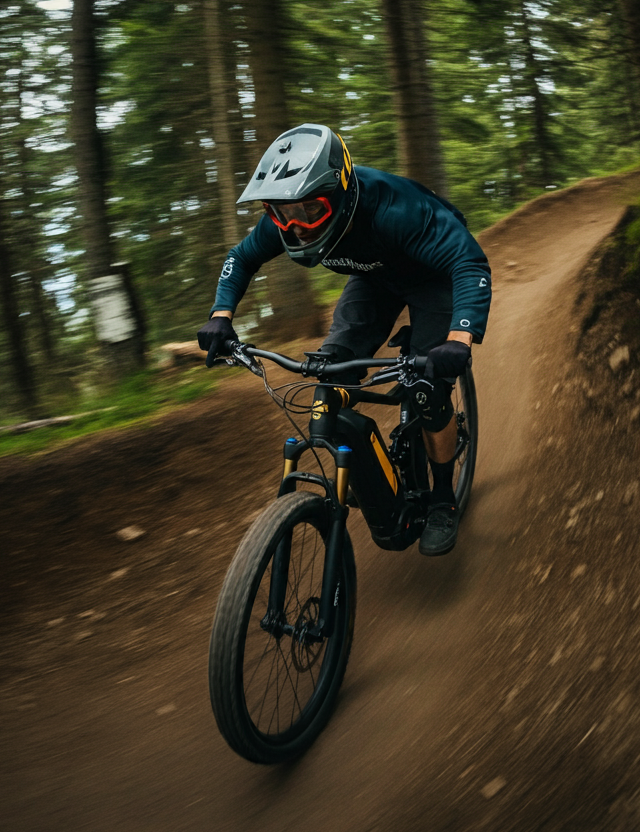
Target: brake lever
{"x": 409, "y": 376}
{"x": 240, "y": 357}
{"x": 218, "y": 362}
{"x": 384, "y": 375}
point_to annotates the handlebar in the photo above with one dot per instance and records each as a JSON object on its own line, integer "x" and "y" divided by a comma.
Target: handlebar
{"x": 318, "y": 365}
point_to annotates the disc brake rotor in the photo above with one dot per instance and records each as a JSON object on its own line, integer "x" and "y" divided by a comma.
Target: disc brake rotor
{"x": 305, "y": 653}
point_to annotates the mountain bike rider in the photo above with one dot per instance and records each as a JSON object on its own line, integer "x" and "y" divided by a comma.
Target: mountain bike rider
{"x": 401, "y": 245}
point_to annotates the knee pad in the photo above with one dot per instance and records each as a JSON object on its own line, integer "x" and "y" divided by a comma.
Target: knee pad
{"x": 433, "y": 404}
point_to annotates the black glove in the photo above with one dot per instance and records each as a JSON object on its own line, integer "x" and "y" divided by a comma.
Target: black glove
{"x": 449, "y": 360}
{"x": 213, "y": 335}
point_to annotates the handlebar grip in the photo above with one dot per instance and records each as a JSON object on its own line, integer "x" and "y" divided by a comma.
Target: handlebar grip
{"x": 424, "y": 366}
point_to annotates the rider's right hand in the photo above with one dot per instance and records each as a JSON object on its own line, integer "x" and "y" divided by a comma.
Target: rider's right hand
{"x": 212, "y": 337}
{"x": 448, "y": 360}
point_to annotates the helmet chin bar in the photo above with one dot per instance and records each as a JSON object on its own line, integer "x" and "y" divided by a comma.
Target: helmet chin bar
{"x": 312, "y": 253}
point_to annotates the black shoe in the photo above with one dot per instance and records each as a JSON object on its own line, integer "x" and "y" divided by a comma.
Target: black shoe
{"x": 440, "y": 531}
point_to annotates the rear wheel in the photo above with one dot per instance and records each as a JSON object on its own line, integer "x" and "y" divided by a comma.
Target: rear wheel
{"x": 272, "y": 687}
{"x": 466, "y": 415}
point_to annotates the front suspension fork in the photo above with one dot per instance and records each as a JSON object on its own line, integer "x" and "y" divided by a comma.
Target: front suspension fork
{"x": 275, "y": 620}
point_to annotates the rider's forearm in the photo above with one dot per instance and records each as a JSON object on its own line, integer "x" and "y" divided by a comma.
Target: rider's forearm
{"x": 471, "y": 297}
{"x": 231, "y": 289}
{"x": 243, "y": 261}
{"x": 462, "y": 336}
{"x": 226, "y": 313}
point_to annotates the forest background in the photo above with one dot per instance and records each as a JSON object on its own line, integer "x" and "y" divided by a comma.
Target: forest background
{"x": 130, "y": 127}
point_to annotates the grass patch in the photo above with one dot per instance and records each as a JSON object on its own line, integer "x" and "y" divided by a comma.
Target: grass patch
{"x": 131, "y": 401}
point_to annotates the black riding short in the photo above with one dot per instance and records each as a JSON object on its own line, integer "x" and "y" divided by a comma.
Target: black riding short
{"x": 368, "y": 309}
{"x": 366, "y": 314}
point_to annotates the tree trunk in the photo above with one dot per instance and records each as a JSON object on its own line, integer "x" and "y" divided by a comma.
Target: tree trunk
{"x": 114, "y": 308}
{"x": 290, "y": 291}
{"x": 542, "y": 139}
{"x": 222, "y": 98}
{"x": 419, "y": 146}
{"x": 38, "y": 269}
{"x": 20, "y": 364}
{"x": 34, "y": 266}
{"x": 630, "y": 14}
{"x": 89, "y": 151}
{"x": 227, "y": 135}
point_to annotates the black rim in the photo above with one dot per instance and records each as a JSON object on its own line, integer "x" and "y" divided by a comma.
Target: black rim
{"x": 285, "y": 678}
{"x": 458, "y": 399}
{"x": 464, "y": 413}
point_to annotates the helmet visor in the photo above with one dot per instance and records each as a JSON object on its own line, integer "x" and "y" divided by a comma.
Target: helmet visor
{"x": 307, "y": 215}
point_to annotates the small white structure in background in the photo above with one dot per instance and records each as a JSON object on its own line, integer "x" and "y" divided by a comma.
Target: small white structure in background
{"x": 114, "y": 321}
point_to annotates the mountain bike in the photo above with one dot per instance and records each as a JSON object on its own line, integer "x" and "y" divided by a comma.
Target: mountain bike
{"x": 284, "y": 621}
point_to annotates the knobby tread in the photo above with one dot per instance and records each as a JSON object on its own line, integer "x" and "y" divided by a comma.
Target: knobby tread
{"x": 468, "y": 388}
{"x": 233, "y": 609}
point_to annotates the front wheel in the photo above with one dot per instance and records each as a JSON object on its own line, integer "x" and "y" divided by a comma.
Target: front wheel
{"x": 272, "y": 688}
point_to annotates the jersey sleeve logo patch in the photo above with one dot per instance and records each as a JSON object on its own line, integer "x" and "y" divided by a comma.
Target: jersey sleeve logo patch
{"x": 227, "y": 268}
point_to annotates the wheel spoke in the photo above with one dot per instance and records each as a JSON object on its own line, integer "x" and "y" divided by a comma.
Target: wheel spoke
{"x": 271, "y": 642}
{"x": 283, "y": 686}
{"x": 288, "y": 684}
{"x": 294, "y": 688}
{"x": 274, "y": 704}
{"x": 258, "y": 720}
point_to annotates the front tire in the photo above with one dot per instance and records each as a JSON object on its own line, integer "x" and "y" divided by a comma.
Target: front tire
{"x": 273, "y": 694}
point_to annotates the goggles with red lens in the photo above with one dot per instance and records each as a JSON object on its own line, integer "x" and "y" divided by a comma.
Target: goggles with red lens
{"x": 307, "y": 214}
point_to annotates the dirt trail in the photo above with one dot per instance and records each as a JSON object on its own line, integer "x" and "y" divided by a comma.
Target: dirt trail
{"x": 451, "y": 715}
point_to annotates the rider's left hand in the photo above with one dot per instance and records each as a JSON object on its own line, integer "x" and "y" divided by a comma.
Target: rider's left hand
{"x": 213, "y": 335}
{"x": 448, "y": 360}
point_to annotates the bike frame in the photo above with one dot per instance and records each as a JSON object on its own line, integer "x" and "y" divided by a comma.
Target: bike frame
{"x": 390, "y": 488}
{"x": 392, "y": 498}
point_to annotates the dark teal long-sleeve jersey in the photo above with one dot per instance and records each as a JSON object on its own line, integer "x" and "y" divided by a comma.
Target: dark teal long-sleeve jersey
{"x": 402, "y": 233}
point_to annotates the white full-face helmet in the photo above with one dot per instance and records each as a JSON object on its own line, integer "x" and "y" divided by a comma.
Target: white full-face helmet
{"x": 309, "y": 189}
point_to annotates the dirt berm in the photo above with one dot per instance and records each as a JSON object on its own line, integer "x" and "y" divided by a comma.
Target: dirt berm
{"x": 494, "y": 689}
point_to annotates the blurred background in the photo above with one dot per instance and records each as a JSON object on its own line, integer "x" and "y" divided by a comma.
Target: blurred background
{"x": 129, "y": 128}
{"x": 495, "y": 689}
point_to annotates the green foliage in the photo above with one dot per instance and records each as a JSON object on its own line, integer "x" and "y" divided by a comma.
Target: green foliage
{"x": 327, "y": 285}
{"x": 162, "y": 167}
{"x": 489, "y": 60}
{"x": 340, "y": 76}
{"x": 529, "y": 96}
{"x": 133, "y": 401}
{"x": 631, "y": 275}
{"x": 36, "y": 180}
{"x": 632, "y": 233}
